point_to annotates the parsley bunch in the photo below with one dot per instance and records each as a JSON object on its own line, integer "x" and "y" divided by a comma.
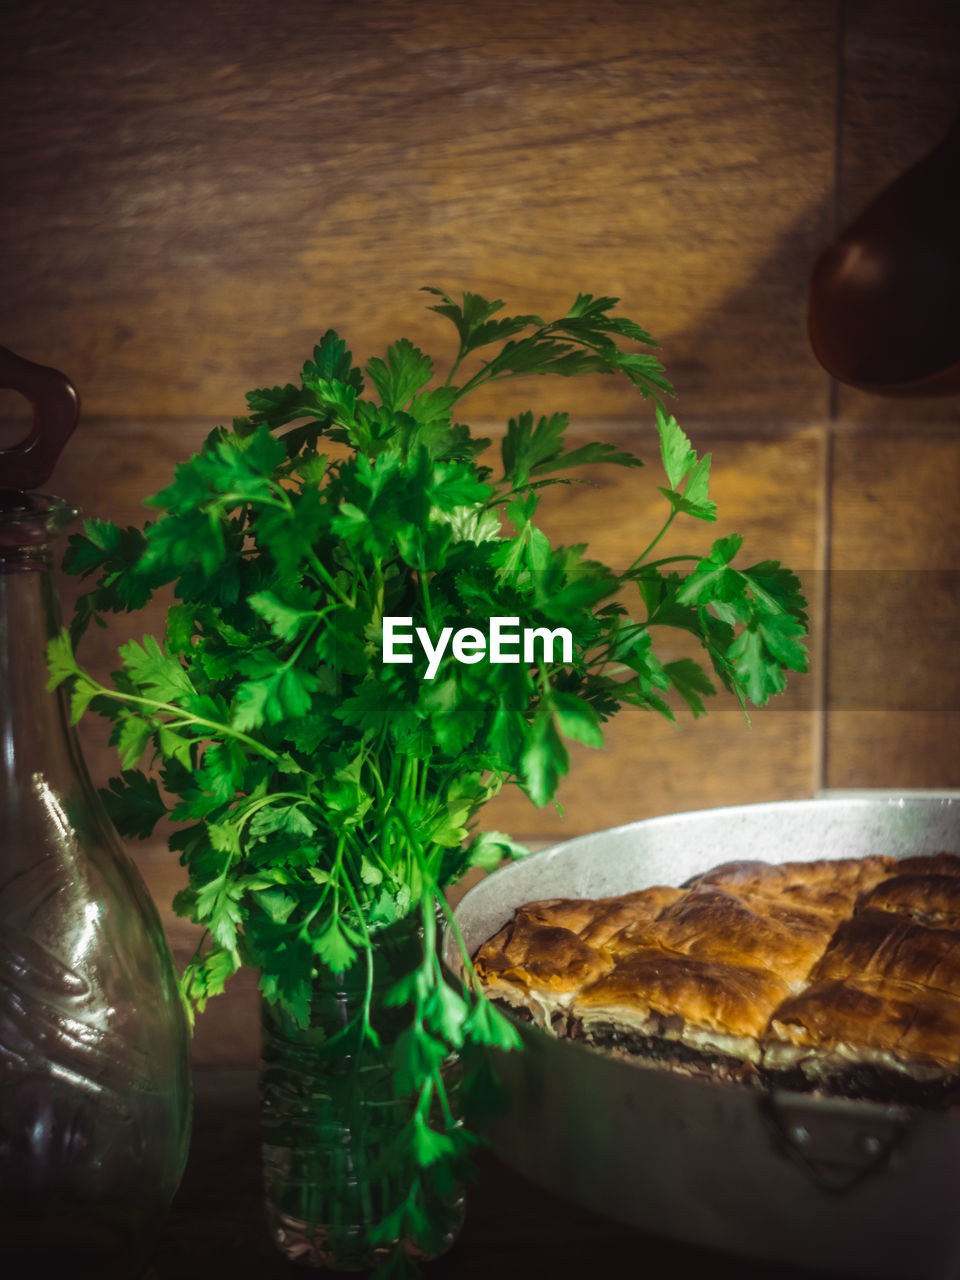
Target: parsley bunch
{"x": 319, "y": 793}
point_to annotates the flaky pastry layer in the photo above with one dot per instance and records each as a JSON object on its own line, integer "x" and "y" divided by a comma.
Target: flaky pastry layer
{"x": 819, "y": 967}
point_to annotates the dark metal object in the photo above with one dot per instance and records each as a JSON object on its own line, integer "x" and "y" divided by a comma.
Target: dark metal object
{"x": 56, "y": 408}
{"x": 884, "y": 315}
{"x": 792, "y": 1178}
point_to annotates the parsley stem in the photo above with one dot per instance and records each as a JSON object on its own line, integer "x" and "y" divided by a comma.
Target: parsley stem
{"x": 426, "y": 596}
{"x": 468, "y": 975}
{"x": 246, "y": 812}
{"x": 369, "y": 1032}
{"x": 226, "y": 500}
{"x": 186, "y": 718}
{"x": 440, "y": 1089}
{"x": 324, "y": 573}
{"x": 307, "y": 637}
{"x": 655, "y": 564}
{"x": 482, "y": 375}
{"x": 643, "y": 554}
{"x": 448, "y": 381}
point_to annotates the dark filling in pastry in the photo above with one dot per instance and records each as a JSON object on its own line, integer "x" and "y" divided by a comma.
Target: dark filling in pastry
{"x": 867, "y": 1083}
{"x": 861, "y": 1081}
{"x": 655, "y": 1048}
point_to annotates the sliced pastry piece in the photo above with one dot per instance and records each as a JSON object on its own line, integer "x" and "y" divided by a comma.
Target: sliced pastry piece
{"x": 654, "y": 1001}
{"x": 926, "y": 896}
{"x": 881, "y": 946}
{"x": 631, "y": 922}
{"x": 713, "y": 924}
{"x": 538, "y": 967}
{"x": 597, "y": 920}
{"x": 868, "y": 1039}
{"x": 935, "y": 864}
{"x": 831, "y": 885}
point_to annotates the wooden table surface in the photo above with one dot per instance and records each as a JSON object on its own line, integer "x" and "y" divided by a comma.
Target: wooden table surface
{"x": 513, "y": 1229}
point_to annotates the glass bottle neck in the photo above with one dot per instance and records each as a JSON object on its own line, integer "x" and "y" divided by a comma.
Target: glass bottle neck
{"x": 34, "y": 736}
{"x": 33, "y": 731}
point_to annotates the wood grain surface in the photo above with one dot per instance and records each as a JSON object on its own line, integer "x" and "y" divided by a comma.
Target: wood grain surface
{"x": 197, "y": 193}
{"x": 893, "y": 673}
{"x": 194, "y": 193}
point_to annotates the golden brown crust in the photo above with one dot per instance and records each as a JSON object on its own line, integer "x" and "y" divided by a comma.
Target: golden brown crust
{"x": 574, "y": 914}
{"x": 830, "y": 885}
{"x": 907, "y": 1022}
{"x": 879, "y": 946}
{"x": 539, "y": 957}
{"x": 634, "y": 911}
{"x": 936, "y": 864}
{"x": 925, "y": 896}
{"x": 712, "y": 924}
{"x": 598, "y": 921}
{"x": 730, "y": 999}
{"x": 854, "y": 959}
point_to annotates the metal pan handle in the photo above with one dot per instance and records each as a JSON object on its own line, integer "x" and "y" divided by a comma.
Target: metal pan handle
{"x": 837, "y": 1142}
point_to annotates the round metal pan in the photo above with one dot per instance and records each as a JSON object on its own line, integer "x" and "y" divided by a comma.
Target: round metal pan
{"x": 850, "y": 1186}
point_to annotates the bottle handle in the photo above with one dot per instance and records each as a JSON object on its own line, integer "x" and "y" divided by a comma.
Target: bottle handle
{"x": 56, "y": 408}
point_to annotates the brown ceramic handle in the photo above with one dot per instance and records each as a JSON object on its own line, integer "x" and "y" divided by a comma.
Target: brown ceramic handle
{"x": 56, "y": 408}
{"x": 883, "y": 312}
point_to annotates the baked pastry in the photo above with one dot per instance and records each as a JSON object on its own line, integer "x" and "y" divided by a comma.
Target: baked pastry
{"x": 838, "y": 975}
{"x": 662, "y": 1003}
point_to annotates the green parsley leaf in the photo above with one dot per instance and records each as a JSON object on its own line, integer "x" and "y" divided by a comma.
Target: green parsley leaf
{"x": 490, "y": 848}
{"x": 155, "y": 671}
{"x": 691, "y": 682}
{"x": 134, "y": 803}
{"x": 405, "y": 372}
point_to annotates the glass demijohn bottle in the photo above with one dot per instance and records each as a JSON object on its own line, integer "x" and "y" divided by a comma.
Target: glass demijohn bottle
{"x": 94, "y": 1061}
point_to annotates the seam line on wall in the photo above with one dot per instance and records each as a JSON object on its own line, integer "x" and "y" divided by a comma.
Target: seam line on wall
{"x": 822, "y": 745}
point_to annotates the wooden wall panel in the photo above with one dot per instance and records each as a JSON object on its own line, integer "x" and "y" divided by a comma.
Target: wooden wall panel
{"x": 893, "y": 677}
{"x": 196, "y": 192}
